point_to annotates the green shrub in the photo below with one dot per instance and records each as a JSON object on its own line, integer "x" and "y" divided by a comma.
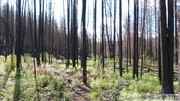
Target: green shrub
{"x": 145, "y": 85}
{"x": 44, "y": 80}
{"x": 95, "y": 95}
{"x": 127, "y": 76}
{"x": 10, "y": 63}
{"x": 57, "y": 82}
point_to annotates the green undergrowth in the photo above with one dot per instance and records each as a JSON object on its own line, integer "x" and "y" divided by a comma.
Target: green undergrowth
{"x": 102, "y": 81}
{"x": 95, "y": 95}
{"x": 47, "y": 87}
{"x": 104, "y": 84}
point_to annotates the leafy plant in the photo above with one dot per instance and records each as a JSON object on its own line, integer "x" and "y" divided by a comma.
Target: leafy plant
{"x": 95, "y": 95}
{"x": 57, "y": 83}
{"x": 54, "y": 81}
{"x": 10, "y": 63}
{"x": 127, "y": 76}
{"x": 44, "y": 80}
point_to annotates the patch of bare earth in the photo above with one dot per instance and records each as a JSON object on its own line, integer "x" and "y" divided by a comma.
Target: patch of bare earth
{"x": 72, "y": 84}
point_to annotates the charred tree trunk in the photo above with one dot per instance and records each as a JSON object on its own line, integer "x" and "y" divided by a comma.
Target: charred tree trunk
{"x": 42, "y": 33}
{"x": 135, "y": 58}
{"x": 16, "y": 96}
{"x": 166, "y": 41}
{"x": 171, "y": 43}
{"x": 94, "y": 37}
{"x": 84, "y": 55}
{"x": 114, "y": 44}
{"x": 176, "y": 32}
{"x": 68, "y": 36}
{"x": 74, "y": 35}
{"x": 102, "y": 36}
{"x": 120, "y": 38}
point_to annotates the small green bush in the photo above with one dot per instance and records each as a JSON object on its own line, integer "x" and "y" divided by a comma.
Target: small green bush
{"x": 95, "y": 95}
{"x": 57, "y": 82}
{"x": 127, "y": 76}
{"x": 10, "y": 63}
{"x": 44, "y": 80}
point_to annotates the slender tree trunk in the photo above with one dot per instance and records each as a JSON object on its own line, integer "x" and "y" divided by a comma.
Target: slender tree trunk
{"x": 6, "y": 31}
{"x": 114, "y": 44}
{"x": 42, "y": 31}
{"x": 16, "y": 96}
{"x": 84, "y": 55}
{"x": 50, "y": 31}
{"x": 68, "y": 43}
{"x": 94, "y": 40}
{"x": 176, "y": 32}
{"x": 120, "y": 37}
{"x": 135, "y": 62}
{"x": 74, "y": 35}
{"x": 36, "y": 36}
{"x": 159, "y": 49}
{"x": 64, "y": 22}
{"x": 142, "y": 37}
{"x": 102, "y": 37}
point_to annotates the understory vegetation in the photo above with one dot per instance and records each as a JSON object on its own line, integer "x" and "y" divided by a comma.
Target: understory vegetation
{"x": 57, "y": 83}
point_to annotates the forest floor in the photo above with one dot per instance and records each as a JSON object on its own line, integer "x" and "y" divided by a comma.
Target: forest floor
{"x": 55, "y": 82}
{"x": 73, "y": 85}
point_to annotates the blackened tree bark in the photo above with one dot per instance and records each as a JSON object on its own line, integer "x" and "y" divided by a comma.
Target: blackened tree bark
{"x": 68, "y": 39}
{"x": 74, "y": 34}
{"x": 84, "y": 55}
{"x": 40, "y": 29}
{"x": 6, "y": 31}
{"x": 114, "y": 44}
{"x": 171, "y": 43}
{"x": 52, "y": 35}
{"x": 65, "y": 40}
{"x": 45, "y": 32}
{"x": 167, "y": 42}
{"x": 135, "y": 58}
{"x": 50, "y": 30}
{"x": 42, "y": 32}
{"x": 176, "y": 32}
{"x": 16, "y": 96}
{"x": 102, "y": 36}
{"x": 120, "y": 37}
{"x": 94, "y": 37}
{"x": 23, "y": 29}
{"x": 36, "y": 37}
